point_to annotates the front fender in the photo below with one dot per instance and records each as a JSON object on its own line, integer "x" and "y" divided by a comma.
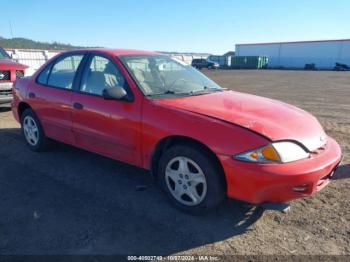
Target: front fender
{"x": 222, "y": 138}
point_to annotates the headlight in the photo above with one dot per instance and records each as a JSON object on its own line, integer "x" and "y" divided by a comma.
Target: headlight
{"x": 278, "y": 152}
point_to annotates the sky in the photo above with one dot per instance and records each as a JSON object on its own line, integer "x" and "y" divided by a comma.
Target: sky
{"x": 212, "y": 26}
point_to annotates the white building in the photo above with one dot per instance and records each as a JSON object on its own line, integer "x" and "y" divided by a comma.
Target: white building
{"x": 324, "y": 54}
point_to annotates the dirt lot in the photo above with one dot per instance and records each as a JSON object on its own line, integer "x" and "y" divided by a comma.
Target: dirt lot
{"x": 68, "y": 201}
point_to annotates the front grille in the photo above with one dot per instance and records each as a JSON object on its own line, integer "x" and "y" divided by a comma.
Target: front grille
{"x": 19, "y": 73}
{"x": 5, "y": 92}
{"x": 5, "y": 75}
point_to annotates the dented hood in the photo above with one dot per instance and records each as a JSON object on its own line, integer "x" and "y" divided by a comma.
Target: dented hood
{"x": 272, "y": 119}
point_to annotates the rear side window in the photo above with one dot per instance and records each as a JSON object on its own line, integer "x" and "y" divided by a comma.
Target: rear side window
{"x": 63, "y": 72}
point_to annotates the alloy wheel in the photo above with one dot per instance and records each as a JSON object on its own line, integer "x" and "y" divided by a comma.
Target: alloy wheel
{"x": 31, "y": 131}
{"x": 186, "y": 181}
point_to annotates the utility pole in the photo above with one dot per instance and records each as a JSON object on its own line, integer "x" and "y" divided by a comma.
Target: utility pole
{"x": 11, "y": 28}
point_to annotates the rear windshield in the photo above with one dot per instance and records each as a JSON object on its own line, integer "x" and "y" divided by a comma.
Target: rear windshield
{"x": 3, "y": 54}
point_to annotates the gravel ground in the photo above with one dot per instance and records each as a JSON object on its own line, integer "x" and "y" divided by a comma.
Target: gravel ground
{"x": 69, "y": 201}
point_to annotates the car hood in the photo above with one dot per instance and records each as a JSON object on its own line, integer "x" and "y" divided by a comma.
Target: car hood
{"x": 8, "y": 64}
{"x": 270, "y": 118}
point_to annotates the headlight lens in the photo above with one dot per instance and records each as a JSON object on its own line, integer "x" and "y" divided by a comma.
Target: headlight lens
{"x": 290, "y": 151}
{"x": 278, "y": 152}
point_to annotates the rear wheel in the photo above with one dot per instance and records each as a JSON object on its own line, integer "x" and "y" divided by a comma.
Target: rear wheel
{"x": 191, "y": 178}
{"x": 33, "y": 132}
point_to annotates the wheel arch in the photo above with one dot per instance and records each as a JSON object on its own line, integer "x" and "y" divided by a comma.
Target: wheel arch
{"x": 21, "y": 107}
{"x": 170, "y": 141}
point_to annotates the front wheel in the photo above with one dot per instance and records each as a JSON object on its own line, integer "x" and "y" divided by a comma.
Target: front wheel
{"x": 192, "y": 179}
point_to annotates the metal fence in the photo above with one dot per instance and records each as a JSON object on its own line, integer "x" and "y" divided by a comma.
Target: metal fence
{"x": 36, "y": 58}
{"x": 32, "y": 58}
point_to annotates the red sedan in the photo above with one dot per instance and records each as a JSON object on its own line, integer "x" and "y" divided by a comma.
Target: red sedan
{"x": 200, "y": 141}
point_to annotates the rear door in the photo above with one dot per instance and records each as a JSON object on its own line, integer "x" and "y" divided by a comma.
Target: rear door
{"x": 51, "y": 96}
{"x": 109, "y": 127}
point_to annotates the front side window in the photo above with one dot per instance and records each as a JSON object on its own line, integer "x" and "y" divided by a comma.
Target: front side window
{"x": 101, "y": 74}
{"x": 63, "y": 72}
{"x": 162, "y": 75}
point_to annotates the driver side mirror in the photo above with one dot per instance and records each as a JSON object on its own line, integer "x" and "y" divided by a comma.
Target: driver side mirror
{"x": 115, "y": 93}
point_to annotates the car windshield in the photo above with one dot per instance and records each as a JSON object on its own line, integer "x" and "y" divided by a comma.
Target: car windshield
{"x": 3, "y": 54}
{"x": 161, "y": 75}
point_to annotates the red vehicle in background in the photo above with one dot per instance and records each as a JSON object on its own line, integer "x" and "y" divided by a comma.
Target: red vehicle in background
{"x": 201, "y": 142}
{"x": 9, "y": 72}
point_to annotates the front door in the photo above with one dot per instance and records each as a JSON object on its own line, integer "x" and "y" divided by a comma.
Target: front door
{"x": 108, "y": 127}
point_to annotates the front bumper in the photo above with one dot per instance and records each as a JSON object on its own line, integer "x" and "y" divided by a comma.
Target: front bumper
{"x": 274, "y": 183}
{"x": 5, "y": 101}
{"x": 5, "y": 94}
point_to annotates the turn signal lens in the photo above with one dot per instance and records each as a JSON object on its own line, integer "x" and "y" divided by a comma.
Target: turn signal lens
{"x": 266, "y": 154}
{"x": 270, "y": 153}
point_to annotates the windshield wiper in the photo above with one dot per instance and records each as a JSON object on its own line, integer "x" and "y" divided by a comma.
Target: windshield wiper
{"x": 214, "y": 88}
{"x": 205, "y": 90}
{"x": 170, "y": 92}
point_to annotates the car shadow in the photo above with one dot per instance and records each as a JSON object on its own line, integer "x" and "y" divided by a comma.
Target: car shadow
{"x": 69, "y": 201}
{"x": 5, "y": 109}
{"x": 342, "y": 172}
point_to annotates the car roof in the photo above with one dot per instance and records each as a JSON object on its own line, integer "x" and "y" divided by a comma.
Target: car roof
{"x": 117, "y": 52}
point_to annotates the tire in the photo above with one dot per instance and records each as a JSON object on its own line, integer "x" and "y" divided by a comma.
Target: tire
{"x": 32, "y": 131}
{"x": 200, "y": 186}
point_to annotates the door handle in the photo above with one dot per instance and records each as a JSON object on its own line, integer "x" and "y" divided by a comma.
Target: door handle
{"x": 31, "y": 95}
{"x": 78, "y": 106}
